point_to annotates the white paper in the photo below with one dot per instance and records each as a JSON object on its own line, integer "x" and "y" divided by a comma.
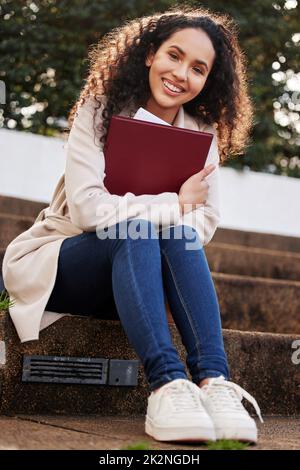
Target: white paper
{"x": 145, "y": 115}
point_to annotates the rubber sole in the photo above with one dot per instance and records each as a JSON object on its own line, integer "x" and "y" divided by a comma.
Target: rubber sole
{"x": 237, "y": 434}
{"x": 182, "y": 434}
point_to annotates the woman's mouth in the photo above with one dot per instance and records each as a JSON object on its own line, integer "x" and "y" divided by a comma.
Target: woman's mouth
{"x": 171, "y": 89}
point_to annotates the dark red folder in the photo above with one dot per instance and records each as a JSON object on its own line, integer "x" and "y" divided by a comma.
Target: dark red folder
{"x": 143, "y": 157}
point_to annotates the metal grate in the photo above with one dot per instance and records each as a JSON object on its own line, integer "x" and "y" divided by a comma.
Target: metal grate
{"x": 60, "y": 369}
{"x": 80, "y": 370}
{"x": 123, "y": 372}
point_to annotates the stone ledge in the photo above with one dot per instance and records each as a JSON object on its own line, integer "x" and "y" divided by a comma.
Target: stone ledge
{"x": 18, "y": 206}
{"x": 250, "y": 261}
{"x": 258, "y": 304}
{"x": 259, "y": 362}
{"x": 256, "y": 239}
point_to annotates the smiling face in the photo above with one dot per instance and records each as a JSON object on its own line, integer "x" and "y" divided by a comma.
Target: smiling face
{"x": 184, "y": 60}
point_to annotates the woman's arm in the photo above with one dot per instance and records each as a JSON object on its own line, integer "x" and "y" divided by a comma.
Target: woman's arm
{"x": 91, "y": 206}
{"x": 206, "y": 218}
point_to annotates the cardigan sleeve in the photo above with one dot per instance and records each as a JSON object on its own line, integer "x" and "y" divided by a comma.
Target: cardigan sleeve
{"x": 206, "y": 217}
{"x": 93, "y": 208}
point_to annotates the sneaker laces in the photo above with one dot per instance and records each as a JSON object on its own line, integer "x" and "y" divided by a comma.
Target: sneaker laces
{"x": 228, "y": 395}
{"x": 184, "y": 395}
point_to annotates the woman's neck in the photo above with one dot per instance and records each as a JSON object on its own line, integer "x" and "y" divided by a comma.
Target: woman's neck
{"x": 168, "y": 115}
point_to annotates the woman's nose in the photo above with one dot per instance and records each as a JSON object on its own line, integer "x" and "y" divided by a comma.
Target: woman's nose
{"x": 181, "y": 73}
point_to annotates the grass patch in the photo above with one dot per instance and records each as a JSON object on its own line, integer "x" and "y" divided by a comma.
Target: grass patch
{"x": 227, "y": 444}
{"x": 138, "y": 446}
{"x": 5, "y": 301}
{"x": 222, "y": 444}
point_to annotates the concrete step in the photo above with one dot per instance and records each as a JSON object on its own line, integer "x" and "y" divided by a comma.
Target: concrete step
{"x": 260, "y": 362}
{"x": 257, "y": 239}
{"x": 249, "y": 261}
{"x": 258, "y": 304}
{"x": 40, "y": 432}
{"x": 11, "y": 226}
{"x": 18, "y": 206}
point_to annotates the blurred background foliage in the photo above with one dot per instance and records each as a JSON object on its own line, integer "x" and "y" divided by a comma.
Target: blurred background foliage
{"x": 43, "y": 63}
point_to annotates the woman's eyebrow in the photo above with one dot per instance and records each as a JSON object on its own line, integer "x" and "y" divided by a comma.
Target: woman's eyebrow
{"x": 183, "y": 53}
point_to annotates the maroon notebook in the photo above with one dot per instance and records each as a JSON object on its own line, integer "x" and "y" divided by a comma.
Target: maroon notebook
{"x": 143, "y": 157}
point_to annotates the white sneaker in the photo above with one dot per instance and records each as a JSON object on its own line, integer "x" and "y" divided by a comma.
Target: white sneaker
{"x": 222, "y": 400}
{"x": 175, "y": 413}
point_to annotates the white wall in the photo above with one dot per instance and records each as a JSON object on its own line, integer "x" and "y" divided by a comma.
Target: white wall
{"x": 260, "y": 202}
{"x": 31, "y": 166}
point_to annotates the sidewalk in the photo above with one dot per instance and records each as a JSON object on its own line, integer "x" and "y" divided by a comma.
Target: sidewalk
{"x": 112, "y": 433}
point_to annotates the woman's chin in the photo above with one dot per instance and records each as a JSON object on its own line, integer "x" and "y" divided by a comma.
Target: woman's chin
{"x": 166, "y": 101}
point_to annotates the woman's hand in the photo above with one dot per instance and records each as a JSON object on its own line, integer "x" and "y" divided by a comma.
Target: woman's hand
{"x": 194, "y": 190}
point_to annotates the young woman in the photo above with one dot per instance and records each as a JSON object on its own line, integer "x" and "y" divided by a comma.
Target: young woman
{"x": 186, "y": 67}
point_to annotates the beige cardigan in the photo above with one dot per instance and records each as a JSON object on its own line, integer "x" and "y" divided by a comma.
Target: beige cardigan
{"x": 30, "y": 261}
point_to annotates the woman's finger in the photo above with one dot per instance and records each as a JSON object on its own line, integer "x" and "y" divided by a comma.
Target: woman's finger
{"x": 206, "y": 170}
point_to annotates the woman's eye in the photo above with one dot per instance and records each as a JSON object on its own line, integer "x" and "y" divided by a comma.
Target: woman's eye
{"x": 195, "y": 68}
{"x": 198, "y": 70}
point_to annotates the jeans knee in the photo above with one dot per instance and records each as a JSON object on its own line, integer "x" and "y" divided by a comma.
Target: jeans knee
{"x": 189, "y": 237}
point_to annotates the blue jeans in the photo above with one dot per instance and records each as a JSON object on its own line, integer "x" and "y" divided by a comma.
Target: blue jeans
{"x": 126, "y": 279}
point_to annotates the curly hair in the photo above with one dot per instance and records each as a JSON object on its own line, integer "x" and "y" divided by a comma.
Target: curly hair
{"x": 118, "y": 72}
